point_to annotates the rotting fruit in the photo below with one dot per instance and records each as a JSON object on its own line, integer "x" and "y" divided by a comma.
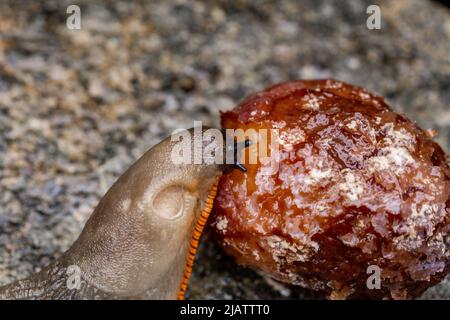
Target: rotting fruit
{"x": 357, "y": 185}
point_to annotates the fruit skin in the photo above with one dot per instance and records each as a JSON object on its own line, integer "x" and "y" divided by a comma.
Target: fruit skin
{"x": 357, "y": 185}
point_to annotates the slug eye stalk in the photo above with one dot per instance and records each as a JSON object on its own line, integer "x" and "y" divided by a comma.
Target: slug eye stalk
{"x": 232, "y": 151}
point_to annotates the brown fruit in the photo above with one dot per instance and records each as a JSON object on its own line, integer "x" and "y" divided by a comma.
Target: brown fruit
{"x": 358, "y": 185}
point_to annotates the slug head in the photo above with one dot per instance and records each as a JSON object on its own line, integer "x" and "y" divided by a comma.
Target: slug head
{"x": 136, "y": 241}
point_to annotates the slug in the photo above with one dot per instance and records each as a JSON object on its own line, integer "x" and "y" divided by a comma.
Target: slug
{"x": 141, "y": 240}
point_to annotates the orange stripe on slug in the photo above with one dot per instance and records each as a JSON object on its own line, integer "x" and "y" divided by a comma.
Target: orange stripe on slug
{"x": 196, "y": 234}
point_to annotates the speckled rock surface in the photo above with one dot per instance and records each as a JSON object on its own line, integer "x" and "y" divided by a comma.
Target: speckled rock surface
{"x": 77, "y": 107}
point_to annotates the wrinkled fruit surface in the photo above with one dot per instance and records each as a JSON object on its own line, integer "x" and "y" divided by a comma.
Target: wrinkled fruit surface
{"x": 357, "y": 185}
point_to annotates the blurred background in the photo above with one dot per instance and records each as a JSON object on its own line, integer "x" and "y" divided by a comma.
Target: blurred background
{"x": 77, "y": 107}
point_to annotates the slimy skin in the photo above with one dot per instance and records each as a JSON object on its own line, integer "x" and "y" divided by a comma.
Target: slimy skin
{"x": 136, "y": 242}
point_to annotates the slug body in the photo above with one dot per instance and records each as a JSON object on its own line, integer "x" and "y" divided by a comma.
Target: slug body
{"x": 136, "y": 243}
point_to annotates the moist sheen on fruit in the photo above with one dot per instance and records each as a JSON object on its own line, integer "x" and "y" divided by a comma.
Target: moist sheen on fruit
{"x": 358, "y": 189}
